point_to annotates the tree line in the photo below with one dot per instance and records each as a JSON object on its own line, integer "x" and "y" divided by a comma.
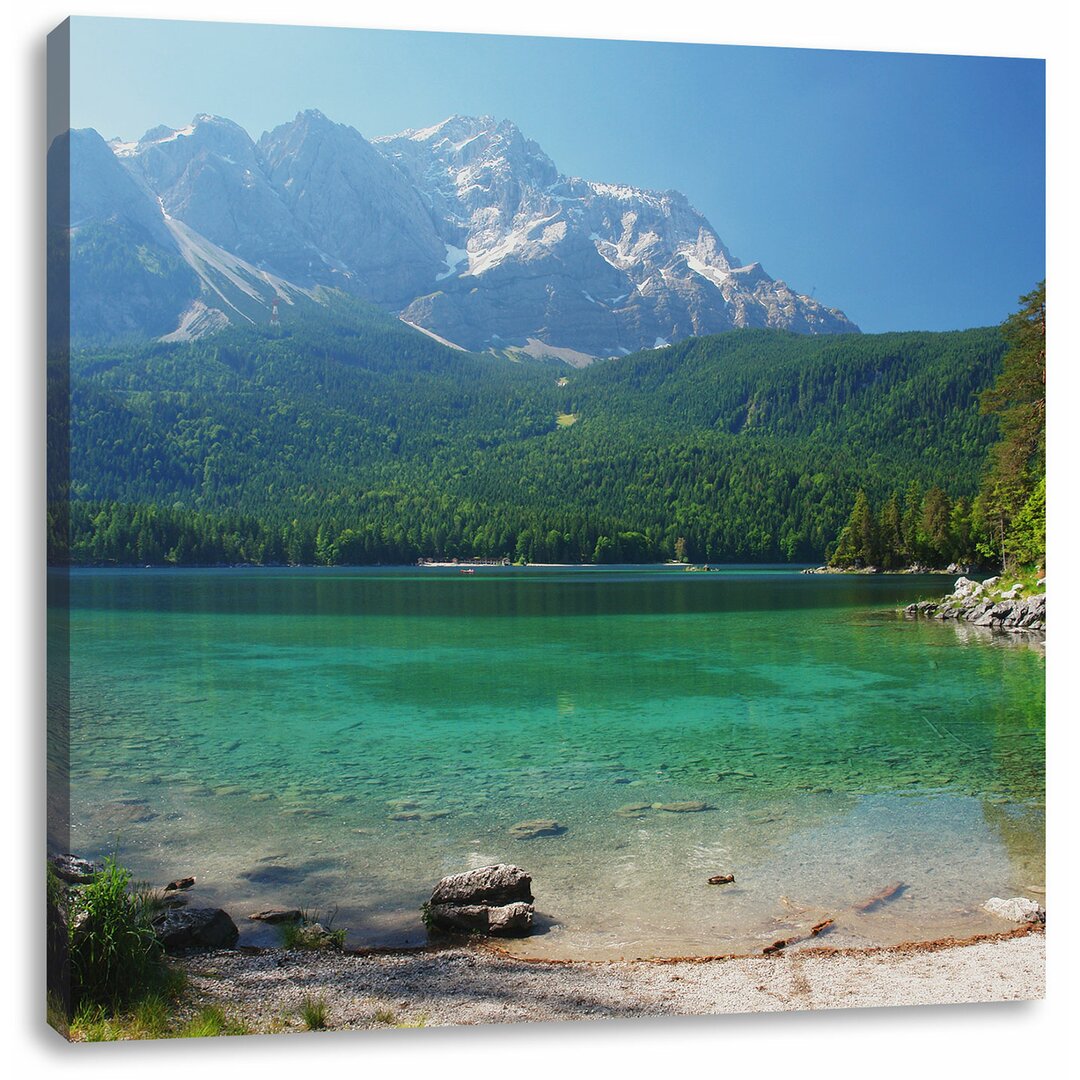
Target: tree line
{"x": 1005, "y": 524}
{"x": 349, "y": 438}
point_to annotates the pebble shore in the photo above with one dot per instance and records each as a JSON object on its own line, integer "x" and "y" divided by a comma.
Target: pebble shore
{"x": 475, "y": 984}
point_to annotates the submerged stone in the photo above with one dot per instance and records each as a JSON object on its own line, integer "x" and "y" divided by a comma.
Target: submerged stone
{"x": 531, "y": 830}
{"x": 277, "y": 915}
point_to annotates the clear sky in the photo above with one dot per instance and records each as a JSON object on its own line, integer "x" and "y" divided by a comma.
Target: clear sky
{"x": 907, "y": 190}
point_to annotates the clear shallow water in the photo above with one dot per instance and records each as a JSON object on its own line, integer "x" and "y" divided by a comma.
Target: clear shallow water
{"x": 258, "y": 728}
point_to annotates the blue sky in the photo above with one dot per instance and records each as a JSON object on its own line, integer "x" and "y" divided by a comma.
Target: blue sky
{"x": 908, "y": 190}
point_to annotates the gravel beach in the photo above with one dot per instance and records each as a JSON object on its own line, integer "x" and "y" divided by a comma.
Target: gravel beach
{"x": 476, "y": 985}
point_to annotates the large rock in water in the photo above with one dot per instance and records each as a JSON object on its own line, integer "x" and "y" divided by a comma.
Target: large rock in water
{"x": 195, "y": 928}
{"x": 492, "y": 900}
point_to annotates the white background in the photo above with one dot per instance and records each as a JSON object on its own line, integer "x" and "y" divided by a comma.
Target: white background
{"x": 1027, "y": 1040}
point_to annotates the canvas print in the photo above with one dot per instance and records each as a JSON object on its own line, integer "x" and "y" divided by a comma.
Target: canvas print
{"x": 479, "y": 590}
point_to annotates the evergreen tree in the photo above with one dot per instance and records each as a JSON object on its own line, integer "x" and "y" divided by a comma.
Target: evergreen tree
{"x": 936, "y": 527}
{"x": 891, "y": 535}
{"x": 1018, "y": 460}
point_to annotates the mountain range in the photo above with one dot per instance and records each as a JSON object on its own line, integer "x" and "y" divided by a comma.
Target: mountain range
{"x": 465, "y": 230}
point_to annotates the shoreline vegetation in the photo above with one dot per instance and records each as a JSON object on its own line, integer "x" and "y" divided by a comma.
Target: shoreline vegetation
{"x": 183, "y": 985}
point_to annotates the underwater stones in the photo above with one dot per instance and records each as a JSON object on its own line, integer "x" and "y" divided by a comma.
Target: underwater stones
{"x": 418, "y": 815}
{"x": 128, "y": 812}
{"x": 1018, "y": 909}
{"x": 532, "y": 830}
{"x": 690, "y": 807}
{"x": 494, "y": 900}
{"x": 195, "y": 928}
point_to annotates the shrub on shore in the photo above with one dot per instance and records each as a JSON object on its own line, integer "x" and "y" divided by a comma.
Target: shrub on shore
{"x": 113, "y": 954}
{"x": 108, "y": 975}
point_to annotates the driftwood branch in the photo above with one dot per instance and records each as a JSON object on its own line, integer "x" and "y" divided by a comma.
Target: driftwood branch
{"x": 890, "y": 892}
{"x": 783, "y": 943}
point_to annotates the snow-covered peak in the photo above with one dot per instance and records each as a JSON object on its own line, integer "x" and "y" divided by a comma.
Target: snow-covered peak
{"x": 466, "y": 227}
{"x": 468, "y": 150}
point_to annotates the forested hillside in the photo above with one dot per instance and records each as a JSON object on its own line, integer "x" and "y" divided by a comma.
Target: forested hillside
{"x": 350, "y": 438}
{"x": 1005, "y": 524}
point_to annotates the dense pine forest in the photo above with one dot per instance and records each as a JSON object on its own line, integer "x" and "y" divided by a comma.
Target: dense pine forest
{"x": 347, "y": 437}
{"x": 1005, "y": 524}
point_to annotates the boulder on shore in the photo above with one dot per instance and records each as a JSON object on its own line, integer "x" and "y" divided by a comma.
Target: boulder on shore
{"x": 491, "y": 900}
{"x": 1018, "y": 909}
{"x": 73, "y": 870}
{"x": 195, "y": 928}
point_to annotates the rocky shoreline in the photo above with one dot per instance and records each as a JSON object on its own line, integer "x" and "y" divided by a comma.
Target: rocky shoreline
{"x": 915, "y": 568}
{"x": 988, "y": 604}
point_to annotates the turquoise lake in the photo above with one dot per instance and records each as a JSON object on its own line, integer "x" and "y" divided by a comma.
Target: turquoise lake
{"x": 338, "y": 740}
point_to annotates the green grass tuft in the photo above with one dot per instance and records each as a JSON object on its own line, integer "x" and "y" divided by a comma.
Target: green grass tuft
{"x": 313, "y": 1013}
{"x": 306, "y": 934}
{"x": 114, "y": 955}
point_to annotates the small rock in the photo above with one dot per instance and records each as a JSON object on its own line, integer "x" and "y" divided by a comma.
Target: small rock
{"x": 1018, "y": 909}
{"x": 195, "y": 928}
{"x": 72, "y": 869}
{"x": 966, "y": 587}
{"x": 180, "y": 883}
{"x": 531, "y": 830}
{"x": 277, "y": 915}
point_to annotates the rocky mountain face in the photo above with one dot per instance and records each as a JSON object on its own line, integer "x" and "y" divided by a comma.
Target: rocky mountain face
{"x": 592, "y": 267}
{"x": 466, "y": 229}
